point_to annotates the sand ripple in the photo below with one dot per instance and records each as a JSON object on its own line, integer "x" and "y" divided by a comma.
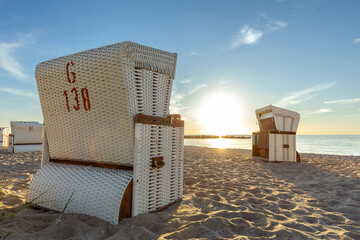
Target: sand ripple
{"x": 227, "y": 195}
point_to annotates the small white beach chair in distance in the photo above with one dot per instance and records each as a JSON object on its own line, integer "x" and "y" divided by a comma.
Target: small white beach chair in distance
{"x": 110, "y": 145}
{"x": 23, "y": 136}
{"x": 2, "y": 137}
{"x": 5, "y": 137}
{"x": 276, "y": 140}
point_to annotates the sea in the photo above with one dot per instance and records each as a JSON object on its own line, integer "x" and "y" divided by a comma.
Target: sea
{"x": 323, "y": 144}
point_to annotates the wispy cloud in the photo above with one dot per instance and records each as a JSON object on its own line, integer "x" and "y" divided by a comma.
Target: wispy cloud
{"x": 223, "y": 81}
{"x": 324, "y": 110}
{"x": 303, "y": 95}
{"x": 178, "y": 101}
{"x": 249, "y": 35}
{"x": 194, "y": 53}
{"x": 8, "y": 61}
{"x": 8, "y": 49}
{"x": 356, "y": 41}
{"x": 18, "y": 92}
{"x": 316, "y": 112}
{"x": 186, "y": 81}
{"x": 246, "y": 35}
{"x": 343, "y": 101}
{"x": 196, "y": 88}
{"x": 271, "y": 24}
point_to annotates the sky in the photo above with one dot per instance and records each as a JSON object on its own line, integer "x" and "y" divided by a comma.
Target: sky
{"x": 233, "y": 56}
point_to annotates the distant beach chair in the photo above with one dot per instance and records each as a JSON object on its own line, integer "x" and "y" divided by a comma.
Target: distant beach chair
{"x": 23, "y": 137}
{"x": 2, "y": 129}
{"x": 5, "y": 137}
{"x": 111, "y": 149}
{"x": 276, "y": 140}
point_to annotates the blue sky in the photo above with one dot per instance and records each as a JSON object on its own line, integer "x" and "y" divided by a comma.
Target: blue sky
{"x": 301, "y": 55}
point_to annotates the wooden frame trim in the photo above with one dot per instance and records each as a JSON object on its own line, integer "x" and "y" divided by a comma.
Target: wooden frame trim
{"x": 27, "y": 144}
{"x": 168, "y": 121}
{"x": 276, "y": 132}
{"x": 93, "y": 164}
{"x": 126, "y": 202}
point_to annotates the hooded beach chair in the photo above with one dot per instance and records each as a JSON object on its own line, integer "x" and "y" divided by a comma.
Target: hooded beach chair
{"x": 110, "y": 148}
{"x": 23, "y": 136}
{"x": 2, "y": 132}
{"x": 5, "y": 137}
{"x": 276, "y": 140}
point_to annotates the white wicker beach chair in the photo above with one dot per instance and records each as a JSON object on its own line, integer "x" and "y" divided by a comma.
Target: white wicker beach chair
{"x": 23, "y": 136}
{"x": 4, "y": 135}
{"x": 109, "y": 143}
{"x": 276, "y": 140}
{"x": 1, "y": 133}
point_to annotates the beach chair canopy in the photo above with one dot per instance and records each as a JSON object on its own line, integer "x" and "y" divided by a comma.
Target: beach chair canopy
{"x": 133, "y": 163}
{"x": 277, "y": 119}
{"x": 104, "y": 87}
{"x": 1, "y": 133}
{"x": 26, "y": 132}
{"x": 5, "y": 136}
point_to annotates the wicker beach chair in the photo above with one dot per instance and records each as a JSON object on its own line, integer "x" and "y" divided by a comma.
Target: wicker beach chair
{"x": 1, "y": 133}
{"x": 109, "y": 144}
{"x": 4, "y": 135}
{"x": 276, "y": 140}
{"x": 23, "y": 136}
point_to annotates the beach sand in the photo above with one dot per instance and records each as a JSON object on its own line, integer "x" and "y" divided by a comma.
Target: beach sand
{"x": 227, "y": 195}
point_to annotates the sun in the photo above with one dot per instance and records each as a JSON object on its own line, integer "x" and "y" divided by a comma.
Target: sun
{"x": 221, "y": 114}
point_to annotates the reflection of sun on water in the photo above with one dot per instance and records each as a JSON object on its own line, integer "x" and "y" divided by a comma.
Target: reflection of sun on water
{"x": 219, "y": 143}
{"x": 221, "y": 114}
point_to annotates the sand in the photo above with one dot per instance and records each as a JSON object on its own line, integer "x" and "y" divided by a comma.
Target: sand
{"x": 227, "y": 195}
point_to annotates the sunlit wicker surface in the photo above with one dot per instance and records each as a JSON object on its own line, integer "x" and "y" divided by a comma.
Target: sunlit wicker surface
{"x": 93, "y": 191}
{"x": 26, "y": 132}
{"x": 5, "y": 137}
{"x": 156, "y": 187}
{"x": 89, "y": 99}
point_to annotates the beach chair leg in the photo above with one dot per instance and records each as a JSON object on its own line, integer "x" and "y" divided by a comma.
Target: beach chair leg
{"x": 45, "y": 157}
{"x": 11, "y": 144}
{"x": 158, "y": 167}
{"x": 298, "y": 158}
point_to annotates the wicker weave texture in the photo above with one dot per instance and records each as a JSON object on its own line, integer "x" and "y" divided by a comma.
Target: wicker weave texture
{"x": 149, "y": 92}
{"x": 154, "y": 188}
{"x": 26, "y": 132}
{"x": 93, "y": 191}
{"x": 5, "y": 137}
{"x": 89, "y": 99}
{"x": 1, "y": 133}
{"x": 277, "y": 152}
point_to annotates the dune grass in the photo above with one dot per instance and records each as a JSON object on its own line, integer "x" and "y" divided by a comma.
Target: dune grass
{"x": 6, "y": 215}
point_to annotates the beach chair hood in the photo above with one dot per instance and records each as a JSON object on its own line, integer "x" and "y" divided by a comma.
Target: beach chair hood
{"x": 285, "y": 120}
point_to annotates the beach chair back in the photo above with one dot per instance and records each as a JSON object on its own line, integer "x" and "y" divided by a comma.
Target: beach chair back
{"x": 89, "y": 100}
{"x": 109, "y": 142}
{"x": 4, "y": 136}
{"x": 272, "y": 118}
{"x": 26, "y": 132}
{"x": 276, "y": 140}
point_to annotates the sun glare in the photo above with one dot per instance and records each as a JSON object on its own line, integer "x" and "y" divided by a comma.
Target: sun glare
{"x": 221, "y": 114}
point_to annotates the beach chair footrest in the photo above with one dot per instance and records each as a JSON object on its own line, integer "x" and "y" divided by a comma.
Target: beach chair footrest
{"x": 100, "y": 192}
